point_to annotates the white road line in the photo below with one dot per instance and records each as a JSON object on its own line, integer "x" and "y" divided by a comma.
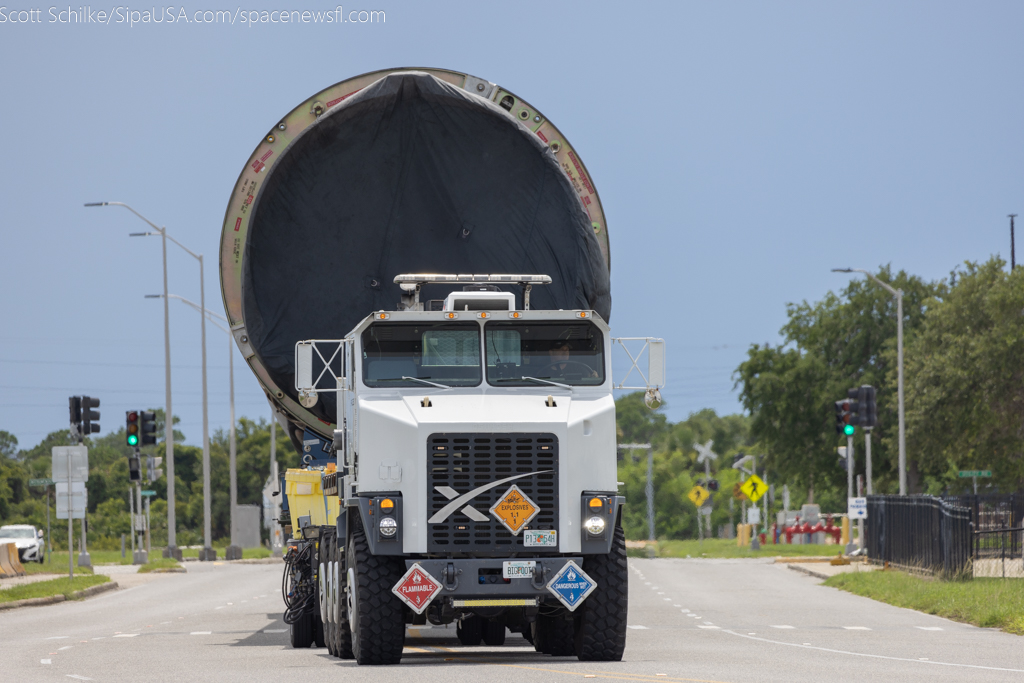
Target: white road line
{"x": 275, "y": 630}
{"x": 201, "y": 633}
{"x": 782, "y": 626}
{"x": 79, "y": 678}
{"x": 66, "y": 647}
{"x": 125, "y": 635}
{"x": 929, "y": 628}
{"x": 99, "y": 637}
{"x": 667, "y": 599}
{"x": 706, "y": 626}
{"x": 871, "y": 656}
{"x": 685, "y": 611}
{"x": 639, "y": 628}
{"x": 46, "y": 661}
{"x": 856, "y": 628}
{"x": 221, "y": 607}
{"x": 56, "y": 638}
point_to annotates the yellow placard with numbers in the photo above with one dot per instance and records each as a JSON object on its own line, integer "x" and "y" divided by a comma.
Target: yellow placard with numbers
{"x": 698, "y": 494}
{"x": 753, "y": 488}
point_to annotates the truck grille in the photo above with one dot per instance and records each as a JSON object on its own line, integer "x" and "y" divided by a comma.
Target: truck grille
{"x": 464, "y": 462}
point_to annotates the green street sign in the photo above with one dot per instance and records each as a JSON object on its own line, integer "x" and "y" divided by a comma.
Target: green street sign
{"x": 46, "y": 481}
{"x": 964, "y": 474}
{"x": 149, "y": 493}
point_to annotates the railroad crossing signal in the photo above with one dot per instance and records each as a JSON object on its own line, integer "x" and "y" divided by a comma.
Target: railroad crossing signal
{"x": 754, "y": 488}
{"x": 698, "y": 495}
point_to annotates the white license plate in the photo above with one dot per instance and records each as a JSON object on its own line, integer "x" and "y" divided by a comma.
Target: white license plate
{"x": 537, "y": 538}
{"x": 521, "y": 569}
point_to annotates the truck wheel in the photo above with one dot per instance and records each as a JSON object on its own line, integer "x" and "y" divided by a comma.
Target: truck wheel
{"x": 301, "y": 632}
{"x": 326, "y": 555}
{"x": 342, "y": 632}
{"x": 377, "y": 620}
{"x": 527, "y": 632}
{"x": 469, "y": 630}
{"x": 601, "y": 619}
{"x": 318, "y": 631}
{"x": 493, "y": 632}
{"x": 553, "y": 635}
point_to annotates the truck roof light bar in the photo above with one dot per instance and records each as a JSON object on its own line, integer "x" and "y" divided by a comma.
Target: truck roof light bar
{"x": 411, "y": 283}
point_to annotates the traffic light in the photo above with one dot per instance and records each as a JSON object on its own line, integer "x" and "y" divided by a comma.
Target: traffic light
{"x": 147, "y": 427}
{"x": 89, "y": 416}
{"x": 153, "y": 469}
{"x": 134, "y": 469}
{"x": 868, "y": 406}
{"x": 75, "y": 409}
{"x": 846, "y": 420}
{"x": 131, "y": 427}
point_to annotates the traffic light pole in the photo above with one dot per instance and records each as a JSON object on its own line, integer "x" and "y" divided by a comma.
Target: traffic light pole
{"x": 867, "y": 459}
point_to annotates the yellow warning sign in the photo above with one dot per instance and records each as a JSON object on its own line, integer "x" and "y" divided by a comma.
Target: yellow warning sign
{"x": 514, "y": 509}
{"x": 698, "y": 494}
{"x": 754, "y": 488}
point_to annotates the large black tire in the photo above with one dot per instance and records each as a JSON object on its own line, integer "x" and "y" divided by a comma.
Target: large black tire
{"x": 378, "y": 617}
{"x": 300, "y": 634}
{"x": 601, "y": 619}
{"x": 470, "y": 630}
{"x": 553, "y": 635}
{"x": 318, "y": 631}
{"x": 493, "y": 632}
{"x": 326, "y": 555}
{"x": 342, "y": 632}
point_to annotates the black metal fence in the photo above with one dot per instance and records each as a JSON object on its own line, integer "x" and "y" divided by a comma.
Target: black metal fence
{"x": 992, "y": 511}
{"x": 999, "y": 553}
{"x": 920, "y": 533}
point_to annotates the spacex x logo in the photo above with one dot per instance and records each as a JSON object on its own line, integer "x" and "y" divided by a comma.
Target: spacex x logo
{"x": 460, "y": 502}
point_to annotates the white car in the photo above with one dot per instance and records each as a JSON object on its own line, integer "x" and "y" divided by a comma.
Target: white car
{"x": 31, "y": 547}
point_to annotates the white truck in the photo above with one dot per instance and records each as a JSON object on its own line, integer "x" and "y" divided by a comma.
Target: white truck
{"x": 465, "y": 429}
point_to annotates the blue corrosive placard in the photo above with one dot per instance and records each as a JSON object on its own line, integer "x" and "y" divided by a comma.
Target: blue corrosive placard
{"x": 571, "y": 586}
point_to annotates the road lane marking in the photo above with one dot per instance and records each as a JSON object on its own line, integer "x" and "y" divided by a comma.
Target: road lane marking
{"x": 856, "y": 628}
{"x": 125, "y": 635}
{"x": 871, "y": 656}
{"x": 201, "y": 633}
{"x": 706, "y": 626}
{"x": 639, "y": 628}
{"x": 667, "y": 599}
{"x": 221, "y": 607}
{"x": 56, "y": 638}
{"x": 66, "y": 647}
{"x": 782, "y": 626}
{"x": 46, "y": 661}
{"x": 99, "y": 637}
{"x": 677, "y": 605}
{"x": 275, "y": 630}
{"x": 929, "y": 628}
{"x": 79, "y": 678}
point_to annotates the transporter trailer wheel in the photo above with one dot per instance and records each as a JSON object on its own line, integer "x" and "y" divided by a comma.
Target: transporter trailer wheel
{"x": 300, "y": 634}
{"x": 378, "y": 618}
{"x": 601, "y": 619}
{"x": 327, "y": 592}
{"x": 342, "y": 631}
{"x": 469, "y": 630}
{"x": 493, "y": 632}
{"x": 553, "y": 635}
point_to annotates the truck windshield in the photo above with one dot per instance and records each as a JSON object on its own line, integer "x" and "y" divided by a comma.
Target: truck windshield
{"x": 444, "y": 353}
{"x": 567, "y": 353}
{"x": 12, "y": 532}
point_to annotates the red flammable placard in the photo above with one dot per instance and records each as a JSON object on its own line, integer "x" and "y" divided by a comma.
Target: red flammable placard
{"x": 417, "y": 588}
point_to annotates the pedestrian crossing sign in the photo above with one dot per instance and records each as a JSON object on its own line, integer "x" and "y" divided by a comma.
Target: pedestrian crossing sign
{"x": 697, "y": 495}
{"x": 753, "y": 488}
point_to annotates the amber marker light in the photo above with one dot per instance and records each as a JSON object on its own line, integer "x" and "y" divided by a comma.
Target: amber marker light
{"x": 387, "y": 506}
{"x": 596, "y": 503}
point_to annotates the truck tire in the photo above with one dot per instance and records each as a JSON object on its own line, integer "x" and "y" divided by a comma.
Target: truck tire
{"x": 318, "y": 631}
{"x": 601, "y": 619}
{"x": 300, "y": 634}
{"x": 470, "y": 630}
{"x": 326, "y": 556}
{"x": 377, "y": 621}
{"x": 553, "y": 635}
{"x": 493, "y": 632}
{"x": 342, "y": 632}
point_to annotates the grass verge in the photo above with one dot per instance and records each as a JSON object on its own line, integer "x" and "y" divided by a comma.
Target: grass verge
{"x": 161, "y": 563}
{"x": 721, "y": 547}
{"x": 247, "y": 553}
{"x": 44, "y": 589}
{"x": 990, "y": 603}
{"x": 58, "y": 564}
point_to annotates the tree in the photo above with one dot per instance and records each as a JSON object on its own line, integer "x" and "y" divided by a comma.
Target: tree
{"x": 840, "y": 342}
{"x": 964, "y": 378}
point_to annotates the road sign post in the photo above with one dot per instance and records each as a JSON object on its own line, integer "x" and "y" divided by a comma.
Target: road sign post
{"x": 974, "y": 474}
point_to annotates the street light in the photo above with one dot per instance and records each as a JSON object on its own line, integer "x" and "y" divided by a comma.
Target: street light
{"x": 172, "y": 540}
{"x": 898, "y": 293}
{"x": 234, "y": 549}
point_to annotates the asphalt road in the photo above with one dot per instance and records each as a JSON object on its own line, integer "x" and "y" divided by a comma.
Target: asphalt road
{"x": 691, "y": 620}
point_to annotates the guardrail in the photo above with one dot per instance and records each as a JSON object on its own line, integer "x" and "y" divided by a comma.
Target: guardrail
{"x": 920, "y": 533}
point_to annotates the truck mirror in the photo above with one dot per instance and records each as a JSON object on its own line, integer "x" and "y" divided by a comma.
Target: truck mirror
{"x": 656, "y": 367}
{"x": 304, "y": 374}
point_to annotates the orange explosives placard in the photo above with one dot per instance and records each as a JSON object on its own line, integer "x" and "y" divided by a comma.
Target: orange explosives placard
{"x": 514, "y": 509}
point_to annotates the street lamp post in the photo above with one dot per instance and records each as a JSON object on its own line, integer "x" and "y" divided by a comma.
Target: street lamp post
{"x": 234, "y": 551}
{"x": 172, "y": 549}
{"x": 898, "y": 293}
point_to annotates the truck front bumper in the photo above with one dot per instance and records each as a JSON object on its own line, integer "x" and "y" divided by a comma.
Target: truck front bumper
{"x": 479, "y": 579}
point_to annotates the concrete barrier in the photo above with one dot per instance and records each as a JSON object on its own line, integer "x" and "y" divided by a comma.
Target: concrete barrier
{"x": 7, "y": 567}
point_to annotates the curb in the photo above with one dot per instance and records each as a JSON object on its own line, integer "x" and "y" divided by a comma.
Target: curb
{"x": 54, "y": 599}
{"x": 169, "y": 570}
{"x": 262, "y": 560}
{"x": 809, "y": 572}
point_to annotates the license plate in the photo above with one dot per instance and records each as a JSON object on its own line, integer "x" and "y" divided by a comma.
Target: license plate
{"x": 517, "y": 569}
{"x": 536, "y": 538}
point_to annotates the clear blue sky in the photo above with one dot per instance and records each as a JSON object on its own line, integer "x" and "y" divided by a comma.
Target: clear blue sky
{"x": 741, "y": 150}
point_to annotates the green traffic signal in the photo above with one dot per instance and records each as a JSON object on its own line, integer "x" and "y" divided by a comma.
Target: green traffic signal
{"x": 133, "y": 440}
{"x": 849, "y": 430}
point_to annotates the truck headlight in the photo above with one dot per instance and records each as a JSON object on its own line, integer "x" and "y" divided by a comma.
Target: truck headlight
{"x": 388, "y": 527}
{"x": 595, "y": 526}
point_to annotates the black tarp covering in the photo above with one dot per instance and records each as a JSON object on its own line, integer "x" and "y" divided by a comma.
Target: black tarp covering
{"x": 410, "y": 175}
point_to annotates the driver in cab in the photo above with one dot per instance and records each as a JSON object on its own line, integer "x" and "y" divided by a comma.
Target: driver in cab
{"x": 561, "y": 362}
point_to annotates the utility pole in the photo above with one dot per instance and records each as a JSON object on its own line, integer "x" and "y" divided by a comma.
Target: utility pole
{"x": 1013, "y": 260}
